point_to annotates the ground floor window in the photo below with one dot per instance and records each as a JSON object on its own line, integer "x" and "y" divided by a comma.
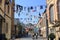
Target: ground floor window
{"x": 6, "y": 27}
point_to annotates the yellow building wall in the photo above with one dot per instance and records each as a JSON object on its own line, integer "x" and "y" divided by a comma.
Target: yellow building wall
{"x": 2, "y": 14}
{"x": 9, "y": 18}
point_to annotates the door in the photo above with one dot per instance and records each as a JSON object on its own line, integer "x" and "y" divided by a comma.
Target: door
{"x": 0, "y": 26}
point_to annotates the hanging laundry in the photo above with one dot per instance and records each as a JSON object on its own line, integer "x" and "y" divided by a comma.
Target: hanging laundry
{"x": 24, "y": 18}
{"x": 28, "y": 18}
{"x": 24, "y": 8}
{"x": 41, "y": 7}
{"x": 31, "y": 7}
{"x": 31, "y": 18}
{"x": 20, "y": 8}
{"x": 30, "y": 15}
{"x": 39, "y": 14}
{"x": 45, "y": 6}
{"x": 33, "y": 21}
{"x": 35, "y": 16}
{"x": 18, "y": 14}
{"x": 17, "y": 8}
{"x": 28, "y": 9}
{"x": 38, "y": 7}
{"x": 34, "y": 9}
{"x": 27, "y": 14}
{"x": 21, "y": 18}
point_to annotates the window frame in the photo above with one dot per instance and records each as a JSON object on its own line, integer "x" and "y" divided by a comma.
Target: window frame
{"x": 6, "y": 27}
{"x": 51, "y": 8}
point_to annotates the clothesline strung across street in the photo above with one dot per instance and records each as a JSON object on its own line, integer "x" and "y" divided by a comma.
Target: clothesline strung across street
{"x": 20, "y": 10}
{"x": 33, "y": 8}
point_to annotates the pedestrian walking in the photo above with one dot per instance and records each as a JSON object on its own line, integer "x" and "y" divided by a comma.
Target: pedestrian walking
{"x": 13, "y": 37}
{"x": 36, "y": 32}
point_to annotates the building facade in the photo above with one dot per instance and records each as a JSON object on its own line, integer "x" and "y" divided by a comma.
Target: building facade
{"x": 53, "y": 15}
{"x": 16, "y": 24}
{"x": 42, "y": 24}
{"x": 7, "y": 17}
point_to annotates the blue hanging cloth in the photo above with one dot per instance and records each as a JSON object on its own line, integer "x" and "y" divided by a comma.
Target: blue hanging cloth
{"x": 39, "y": 14}
{"x": 28, "y": 9}
{"x": 41, "y": 7}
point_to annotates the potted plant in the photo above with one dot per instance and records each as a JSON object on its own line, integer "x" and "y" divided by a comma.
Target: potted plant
{"x": 51, "y": 36}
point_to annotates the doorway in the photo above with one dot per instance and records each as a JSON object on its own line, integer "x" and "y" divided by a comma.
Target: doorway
{"x": 0, "y": 26}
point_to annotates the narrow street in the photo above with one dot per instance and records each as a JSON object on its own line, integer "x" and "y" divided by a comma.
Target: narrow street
{"x": 29, "y": 19}
{"x": 40, "y": 38}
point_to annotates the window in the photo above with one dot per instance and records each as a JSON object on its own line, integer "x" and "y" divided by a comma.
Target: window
{"x": 8, "y": 8}
{"x": 58, "y": 9}
{"x": 6, "y": 27}
{"x": 51, "y": 13}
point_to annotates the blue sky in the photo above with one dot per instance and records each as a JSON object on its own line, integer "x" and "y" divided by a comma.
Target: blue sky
{"x": 28, "y": 3}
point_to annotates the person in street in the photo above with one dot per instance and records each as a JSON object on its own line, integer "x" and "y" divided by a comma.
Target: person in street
{"x": 13, "y": 37}
{"x": 36, "y": 32}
